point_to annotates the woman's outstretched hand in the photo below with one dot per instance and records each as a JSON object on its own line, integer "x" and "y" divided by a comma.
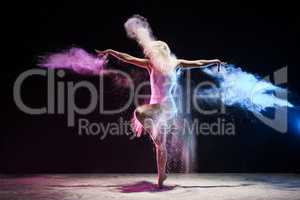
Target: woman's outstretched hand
{"x": 103, "y": 53}
{"x": 217, "y": 61}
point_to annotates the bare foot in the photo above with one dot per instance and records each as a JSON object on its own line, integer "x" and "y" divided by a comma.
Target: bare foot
{"x": 161, "y": 179}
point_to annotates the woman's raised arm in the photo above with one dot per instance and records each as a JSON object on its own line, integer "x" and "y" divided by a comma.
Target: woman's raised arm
{"x": 140, "y": 62}
{"x": 197, "y": 63}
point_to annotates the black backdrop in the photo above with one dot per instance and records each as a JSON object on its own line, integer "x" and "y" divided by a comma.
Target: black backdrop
{"x": 259, "y": 37}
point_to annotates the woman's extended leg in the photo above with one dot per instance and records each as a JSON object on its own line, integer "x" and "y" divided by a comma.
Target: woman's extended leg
{"x": 161, "y": 159}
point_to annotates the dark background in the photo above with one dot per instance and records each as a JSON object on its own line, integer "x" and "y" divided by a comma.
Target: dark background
{"x": 259, "y": 37}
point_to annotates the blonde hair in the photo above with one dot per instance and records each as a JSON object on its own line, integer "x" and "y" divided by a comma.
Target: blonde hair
{"x": 160, "y": 56}
{"x": 158, "y": 52}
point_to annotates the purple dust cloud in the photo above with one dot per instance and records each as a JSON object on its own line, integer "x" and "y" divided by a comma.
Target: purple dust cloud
{"x": 75, "y": 59}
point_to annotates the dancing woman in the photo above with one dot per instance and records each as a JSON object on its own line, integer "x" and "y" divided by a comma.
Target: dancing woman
{"x": 161, "y": 65}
